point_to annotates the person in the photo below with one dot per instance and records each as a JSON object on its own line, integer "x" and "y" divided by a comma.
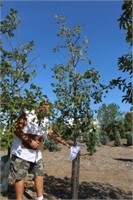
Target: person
{"x": 26, "y": 151}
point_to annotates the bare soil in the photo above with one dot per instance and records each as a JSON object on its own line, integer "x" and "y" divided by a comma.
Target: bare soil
{"x": 107, "y": 174}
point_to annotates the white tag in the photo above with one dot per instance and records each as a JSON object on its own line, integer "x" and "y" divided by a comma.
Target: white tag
{"x": 74, "y": 151}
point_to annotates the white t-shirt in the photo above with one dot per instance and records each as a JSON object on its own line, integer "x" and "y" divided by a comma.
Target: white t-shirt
{"x": 32, "y": 127}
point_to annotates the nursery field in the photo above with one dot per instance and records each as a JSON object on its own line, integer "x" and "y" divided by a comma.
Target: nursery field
{"x": 108, "y": 174}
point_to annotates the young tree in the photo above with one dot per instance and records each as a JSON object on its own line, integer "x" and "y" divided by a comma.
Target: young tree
{"x": 125, "y": 61}
{"x": 17, "y": 71}
{"x": 74, "y": 90}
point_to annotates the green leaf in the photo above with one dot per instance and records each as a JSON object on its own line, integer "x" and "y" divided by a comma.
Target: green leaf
{"x": 54, "y": 50}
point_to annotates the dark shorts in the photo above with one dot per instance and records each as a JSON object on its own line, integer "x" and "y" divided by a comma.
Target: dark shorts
{"x": 19, "y": 168}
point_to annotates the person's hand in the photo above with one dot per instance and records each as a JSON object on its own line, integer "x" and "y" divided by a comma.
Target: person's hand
{"x": 34, "y": 144}
{"x": 68, "y": 144}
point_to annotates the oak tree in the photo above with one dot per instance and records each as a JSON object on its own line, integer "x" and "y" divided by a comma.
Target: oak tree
{"x": 125, "y": 61}
{"x": 17, "y": 72}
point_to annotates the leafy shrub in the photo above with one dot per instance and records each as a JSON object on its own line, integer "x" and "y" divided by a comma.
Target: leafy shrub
{"x": 6, "y": 139}
{"x": 117, "y": 141}
{"x": 91, "y": 141}
{"x": 129, "y": 137}
{"x": 51, "y": 145}
{"x": 104, "y": 138}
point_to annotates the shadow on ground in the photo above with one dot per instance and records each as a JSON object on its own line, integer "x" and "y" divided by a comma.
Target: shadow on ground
{"x": 60, "y": 189}
{"x": 124, "y": 159}
{"x": 56, "y": 188}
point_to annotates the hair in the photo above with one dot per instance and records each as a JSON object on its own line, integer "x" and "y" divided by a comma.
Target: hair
{"x": 43, "y": 103}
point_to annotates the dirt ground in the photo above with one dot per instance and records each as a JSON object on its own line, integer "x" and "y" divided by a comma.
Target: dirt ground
{"x": 108, "y": 174}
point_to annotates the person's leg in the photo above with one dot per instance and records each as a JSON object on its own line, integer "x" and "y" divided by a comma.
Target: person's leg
{"x": 38, "y": 170}
{"x": 39, "y": 185}
{"x": 18, "y": 170}
{"x": 19, "y": 189}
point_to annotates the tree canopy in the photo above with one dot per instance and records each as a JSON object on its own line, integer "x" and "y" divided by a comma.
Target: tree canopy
{"x": 125, "y": 61}
{"x": 75, "y": 91}
{"x": 17, "y": 72}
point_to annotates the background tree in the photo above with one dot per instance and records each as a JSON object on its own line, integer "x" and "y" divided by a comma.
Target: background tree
{"x": 75, "y": 91}
{"x": 128, "y": 128}
{"x": 111, "y": 121}
{"x": 125, "y": 61}
{"x": 17, "y": 71}
{"x": 128, "y": 121}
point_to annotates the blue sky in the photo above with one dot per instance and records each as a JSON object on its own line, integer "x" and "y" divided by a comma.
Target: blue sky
{"x": 106, "y": 40}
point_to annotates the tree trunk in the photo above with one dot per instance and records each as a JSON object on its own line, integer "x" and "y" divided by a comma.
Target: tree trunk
{"x": 75, "y": 176}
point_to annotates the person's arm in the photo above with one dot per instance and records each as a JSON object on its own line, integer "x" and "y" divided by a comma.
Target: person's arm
{"x": 21, "y": 122}
{"x": 57, "y": 138}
